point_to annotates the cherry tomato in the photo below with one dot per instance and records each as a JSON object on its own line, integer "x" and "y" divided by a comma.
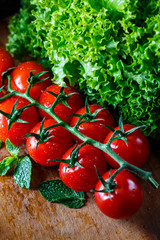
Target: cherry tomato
{"x": 75, "y": 102}
{"x": 6, "y": 61}
{"x": 135, "y": 152}
{"x": 83, "y": 178}
{"x": 53, "y": 148}
{"x": 126, "y": 198}
{"x": 20, "y": 75}
{"x": 18, "y": 130}
{"x": 94, "y": 130}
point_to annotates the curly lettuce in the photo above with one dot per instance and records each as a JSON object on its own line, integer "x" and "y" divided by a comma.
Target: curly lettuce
{"x": 109, "y": 49}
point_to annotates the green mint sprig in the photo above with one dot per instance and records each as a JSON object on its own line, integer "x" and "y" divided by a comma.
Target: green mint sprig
{"x": 23, "y": 166}
{"x": 56, "y": 191}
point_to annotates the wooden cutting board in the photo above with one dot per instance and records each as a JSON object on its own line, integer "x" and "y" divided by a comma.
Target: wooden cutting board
{"x": 25, "y": 214}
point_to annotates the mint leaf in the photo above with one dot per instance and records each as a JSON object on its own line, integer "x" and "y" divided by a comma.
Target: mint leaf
{"x": 22, "y": 172}
{"x": 12, "y": 149}
{"x": 6, "y": 164}
{"x": 56, "y": 191}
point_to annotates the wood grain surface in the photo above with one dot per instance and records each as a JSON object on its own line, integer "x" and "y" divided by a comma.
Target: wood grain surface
{"x": 25, "y": 214}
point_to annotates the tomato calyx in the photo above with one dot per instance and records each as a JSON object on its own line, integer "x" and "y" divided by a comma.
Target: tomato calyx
{"x": 109, "y": 186}
{"x": 74, "y": 156}
{"x": 33, "y": 79}
{"x": 73, "y": 161}
{"x": 6, "y": 74}
{"x": 60, "y": 98}
{"x": 121, "y": 134}
{"x": 88, "y": 116}
{"x": 14, "y": 116}
{"x": 43, "y": 135}
{"x": 2, "y": 89}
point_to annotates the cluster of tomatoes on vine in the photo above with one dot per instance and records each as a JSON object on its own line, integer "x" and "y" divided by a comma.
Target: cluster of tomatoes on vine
{"x": 47, "y": 141}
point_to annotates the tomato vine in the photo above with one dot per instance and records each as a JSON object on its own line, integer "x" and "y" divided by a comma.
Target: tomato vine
{"x": 61, "y": 98}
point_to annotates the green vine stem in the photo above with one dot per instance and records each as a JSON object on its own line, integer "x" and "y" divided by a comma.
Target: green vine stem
{"x": 147, "y": 176}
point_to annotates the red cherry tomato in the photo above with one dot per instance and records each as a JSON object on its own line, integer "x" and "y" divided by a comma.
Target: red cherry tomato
{"x": 126, "y": 198}
{"x": 83, "y": 178}
{"x": 75, "y": 102}
{"x": 54, "y": 148}
{"x": 20, "y": 75}
{"x": 94, "y": 130}
{"x": 17, "y": 130}
{"x": 135, "y": 152}
{"x": 6, "y": 62}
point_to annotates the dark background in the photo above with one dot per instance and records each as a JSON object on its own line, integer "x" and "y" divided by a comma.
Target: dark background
{"x": 8, "y": 8}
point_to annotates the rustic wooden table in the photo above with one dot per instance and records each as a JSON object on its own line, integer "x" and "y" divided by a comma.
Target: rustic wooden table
{"x": 24, "y": 214}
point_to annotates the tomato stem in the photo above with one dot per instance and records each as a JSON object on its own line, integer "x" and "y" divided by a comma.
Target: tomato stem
{"x": 147, "y": 176}
{"x": 111, "y": 178}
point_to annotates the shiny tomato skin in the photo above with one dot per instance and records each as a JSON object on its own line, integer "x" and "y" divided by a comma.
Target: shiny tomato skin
{"x": 6, "y": 62}
{"x": 75, "y": 102}
{"x": 136, "y": 152}
{"x": 126, "y": 198}
{"x": 83, "y": 179}
{"x": 18, "y": 130}
{"x": 51, "y": 149}
{"x": 20, "y": 75}
{"x": 94, "y": 130}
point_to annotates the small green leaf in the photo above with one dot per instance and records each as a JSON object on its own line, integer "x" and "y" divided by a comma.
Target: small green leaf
{"x": 22, "y": 172}
{"x": 7, "y": 115}
{"x": 133, "y": 129}
{"x": 121, "y": 124}
{"x": 52, "y": 93}
{"x": 56, "y": 191}
{"x": 96, "y": 112}
{"x": 6, "y": 74}
{"x": 60, "y": 160}
{"x": 12, "y": 149}
{"x": 66, "y": 104}
{"x": 110, "y": 128}
{"x": 14, "y": 107}
{"x": 6, "y": 164}
{"x": 87, "y": 106}
{"x": 101, "y": 178}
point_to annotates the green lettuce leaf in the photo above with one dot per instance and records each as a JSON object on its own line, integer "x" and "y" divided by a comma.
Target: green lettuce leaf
{"x": 108, "y": 49}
